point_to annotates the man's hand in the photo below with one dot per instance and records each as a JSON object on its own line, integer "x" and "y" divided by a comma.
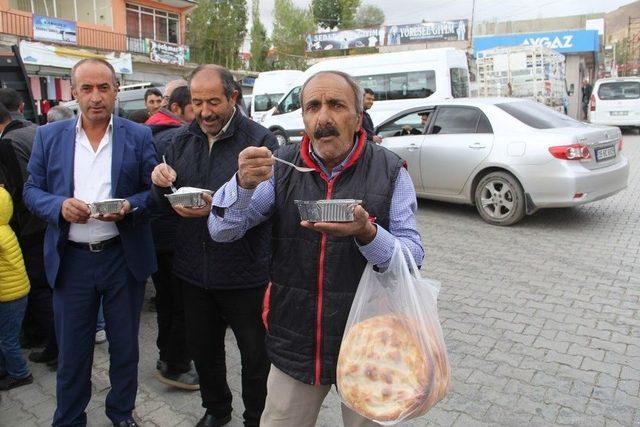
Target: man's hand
{"x": 195, "y": 212}
{"x": 255, "y": 165}
{"x": 377, "y": 139}
{"x": 126, "y": 207}
{"x": 75, "y": 211}
{"x": 163, "y": 175}
{"x": 360, "y": 228}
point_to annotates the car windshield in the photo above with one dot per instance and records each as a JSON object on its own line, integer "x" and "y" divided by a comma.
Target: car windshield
{"x": 267, "y": 101}
{"x": 619, "y": 90}
{"x": 537, "y": 115}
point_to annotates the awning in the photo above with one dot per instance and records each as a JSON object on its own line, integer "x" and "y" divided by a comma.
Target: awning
{"x": 66, "y": 57}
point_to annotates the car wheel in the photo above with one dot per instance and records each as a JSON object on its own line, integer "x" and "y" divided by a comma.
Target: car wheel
{"x": 281, "y": 137}
{"x": 500, "y": 199}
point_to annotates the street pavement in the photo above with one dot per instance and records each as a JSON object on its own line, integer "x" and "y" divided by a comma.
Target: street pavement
{"x": 541, "y": 322}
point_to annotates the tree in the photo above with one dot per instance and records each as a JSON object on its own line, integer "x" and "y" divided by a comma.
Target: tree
{"x": 291, "y": 25}
{"x": 369, "y": 15}
{"x": 216, "y": 30}
{"x": 259, "y": 40}
{"x": 334, "y": 13}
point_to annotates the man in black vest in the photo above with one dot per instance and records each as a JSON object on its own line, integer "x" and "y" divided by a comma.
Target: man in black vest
{"x": 316, "y": 267}
{"x": 223, "y": 284}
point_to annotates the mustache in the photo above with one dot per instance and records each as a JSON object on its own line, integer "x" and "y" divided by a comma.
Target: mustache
{"x": 210, "y": 118}
{"x": 326, "y": 130}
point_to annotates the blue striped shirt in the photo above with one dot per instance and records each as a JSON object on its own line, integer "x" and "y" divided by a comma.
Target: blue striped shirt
{"x": 245, "y": 209}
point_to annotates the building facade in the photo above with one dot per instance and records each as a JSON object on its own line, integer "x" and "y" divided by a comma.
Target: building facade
{"x": 143, "y": 39}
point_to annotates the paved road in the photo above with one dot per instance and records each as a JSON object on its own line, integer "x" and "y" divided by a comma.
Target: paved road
{"x": 541, "y": 320}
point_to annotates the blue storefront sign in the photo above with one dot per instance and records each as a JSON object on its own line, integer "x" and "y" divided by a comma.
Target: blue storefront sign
{"x": 57, "y": 30}
{"x": 570, "y": 41}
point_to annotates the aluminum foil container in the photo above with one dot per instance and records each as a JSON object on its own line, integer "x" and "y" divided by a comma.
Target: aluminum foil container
{"x": 189, "y": 198}
{"x": 104, "y": 207}
{"x": 336, "y": 210}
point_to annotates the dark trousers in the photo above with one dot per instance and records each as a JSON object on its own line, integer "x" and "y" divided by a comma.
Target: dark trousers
{"x": 39, "y": 316}
{"x": 172, "y": 340}
{"x": 84, "y": 277}
{"x": 208, "y": 313}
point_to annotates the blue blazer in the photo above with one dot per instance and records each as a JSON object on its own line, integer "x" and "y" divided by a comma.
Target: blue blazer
{"x": 50, "y": 183}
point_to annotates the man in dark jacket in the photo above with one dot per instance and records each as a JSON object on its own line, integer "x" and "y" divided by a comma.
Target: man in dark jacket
{"x": 316, "y": 267}
{"x": 367, "y": 123}
{"x": 223, "y": 283}
{"x": 24, "y": 135}
{"x": 174, "y": 366}
{"x": 38, "y": 325}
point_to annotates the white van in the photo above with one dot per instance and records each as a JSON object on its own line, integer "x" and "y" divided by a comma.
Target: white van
{"x": 269, "y": 88}
{"x": 615, "y": 102}
{"x": 399, "y": 80}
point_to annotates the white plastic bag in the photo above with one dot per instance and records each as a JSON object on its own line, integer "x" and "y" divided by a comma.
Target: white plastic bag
{"x": 393, "y": 364}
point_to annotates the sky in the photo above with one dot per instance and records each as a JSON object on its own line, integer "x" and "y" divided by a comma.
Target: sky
{"x": 414, "y": 11}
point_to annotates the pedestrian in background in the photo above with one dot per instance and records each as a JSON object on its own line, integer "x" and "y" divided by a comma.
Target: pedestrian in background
{"x": 222, "y": 283}
{"x": 152, "y": 100}
{"x": 59, "y": 112}
{"x": 587, "y": 89}
{"x": 174, "y": 365}
{"x": 14, "y": 288}
{"x": 168, "y": 90}
{"x": 37, "y": 327}
{"x": 367, "y": 123}
{"x": 88, "y": 257}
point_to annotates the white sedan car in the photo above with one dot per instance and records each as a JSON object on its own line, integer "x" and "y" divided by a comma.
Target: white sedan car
{"x": 507, "y": 156}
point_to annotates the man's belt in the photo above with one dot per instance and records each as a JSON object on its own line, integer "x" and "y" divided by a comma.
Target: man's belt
{"x": 96, "y": 246}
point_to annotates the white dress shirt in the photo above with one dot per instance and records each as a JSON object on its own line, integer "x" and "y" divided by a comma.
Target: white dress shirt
{"x": 92, "y": 183}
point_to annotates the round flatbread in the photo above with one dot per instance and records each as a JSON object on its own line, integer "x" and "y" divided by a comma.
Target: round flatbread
{"x": 384, "y": 372}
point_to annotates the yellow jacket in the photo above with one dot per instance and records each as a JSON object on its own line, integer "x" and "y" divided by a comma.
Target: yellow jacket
{"x": 14, "y": 282}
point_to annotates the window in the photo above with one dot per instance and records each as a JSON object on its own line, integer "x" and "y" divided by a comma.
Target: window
{"x": 290, "y": 103}
{"x": 409, "y": 124}
{"x": 619, "y": 90}
{"x": 457, "y": 120}
{"x": 89, "y": 11}
{"x": 146, "y": 23}
{"x": 419, "y": 84}
{"x": 483, "y": 125}
{"x": 459, "y": 82}
{"x": 267, "y": 101}
{"x": 538, "y": 116}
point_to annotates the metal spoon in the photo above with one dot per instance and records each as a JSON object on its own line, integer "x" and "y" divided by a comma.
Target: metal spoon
{"x": 173, "y": 188}
{"x": 298, "y": 168}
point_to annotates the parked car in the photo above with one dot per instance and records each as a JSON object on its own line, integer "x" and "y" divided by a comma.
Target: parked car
{"x": 508, "y": 157}
{"x": 615, "y": 102}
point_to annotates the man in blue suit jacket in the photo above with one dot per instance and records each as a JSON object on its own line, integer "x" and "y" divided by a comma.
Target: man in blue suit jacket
{"x": 89, "y": 256}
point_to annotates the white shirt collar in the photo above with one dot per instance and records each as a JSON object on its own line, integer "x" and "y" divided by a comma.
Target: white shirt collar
{"x": 79, "y": 123}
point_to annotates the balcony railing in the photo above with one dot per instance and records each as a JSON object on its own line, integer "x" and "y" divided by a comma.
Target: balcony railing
{"x": 19, "y": 25}
{"x": 22, "y": 26}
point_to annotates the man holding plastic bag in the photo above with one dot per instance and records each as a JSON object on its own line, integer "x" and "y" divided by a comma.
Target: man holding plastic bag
{"x": 317, "y": 266}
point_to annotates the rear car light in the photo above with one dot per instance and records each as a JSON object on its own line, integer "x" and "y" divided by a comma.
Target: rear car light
{"x": 592, "y": 103}
{"x": 570, "y": 152}
{"x": 620, "y": 144}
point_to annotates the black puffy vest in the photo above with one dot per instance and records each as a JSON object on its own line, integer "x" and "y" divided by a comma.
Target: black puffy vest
{"x": 197, "y": 258}
{"x": 314, "y": 276}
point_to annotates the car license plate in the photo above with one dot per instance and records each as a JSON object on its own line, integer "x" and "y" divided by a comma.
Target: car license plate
{"x": 619, "y": 113}
{"x": 605, "y": 153}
